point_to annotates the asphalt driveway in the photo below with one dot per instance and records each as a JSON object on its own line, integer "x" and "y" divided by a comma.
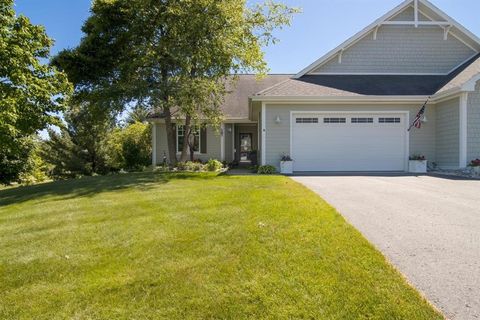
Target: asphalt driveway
{"x": 428, "y": 227}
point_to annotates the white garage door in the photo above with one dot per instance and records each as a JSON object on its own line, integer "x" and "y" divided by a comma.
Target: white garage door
{"x": 349, "y": 142}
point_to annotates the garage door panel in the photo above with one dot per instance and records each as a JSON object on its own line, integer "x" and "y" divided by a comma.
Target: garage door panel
{"x": 349, "y": 146}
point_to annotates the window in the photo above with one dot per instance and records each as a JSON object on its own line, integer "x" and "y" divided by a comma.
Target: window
{"x": 181, "y": 137}
{"x": 307, "y": 120}
{"x": 388, "y": 120}
{"x": 334, "y": 120}
{"x": 362, "y": 120}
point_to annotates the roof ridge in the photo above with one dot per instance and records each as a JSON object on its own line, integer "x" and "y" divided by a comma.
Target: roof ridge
{"x": 273, "y": 87}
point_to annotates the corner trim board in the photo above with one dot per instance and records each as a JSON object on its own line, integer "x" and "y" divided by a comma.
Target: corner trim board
{"x": 463, "y": 130}
{"x": 264, "y": 133}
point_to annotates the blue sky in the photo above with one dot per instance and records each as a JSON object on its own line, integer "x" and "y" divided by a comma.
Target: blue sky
{"x": 323, "y": 25}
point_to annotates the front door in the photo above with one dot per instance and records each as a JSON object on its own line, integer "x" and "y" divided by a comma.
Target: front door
{"x": 245, "y": 146}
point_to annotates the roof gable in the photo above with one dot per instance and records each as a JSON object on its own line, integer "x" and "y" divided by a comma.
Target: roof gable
{"x": 410, "y": 15}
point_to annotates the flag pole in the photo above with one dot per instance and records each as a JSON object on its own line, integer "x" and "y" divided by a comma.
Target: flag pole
{"x": 419, "y": 114}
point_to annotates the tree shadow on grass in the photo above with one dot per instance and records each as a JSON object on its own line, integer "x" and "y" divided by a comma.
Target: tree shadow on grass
{"x": 89, "y": 186}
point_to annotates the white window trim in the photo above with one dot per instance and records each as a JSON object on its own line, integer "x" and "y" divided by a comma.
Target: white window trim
{"x": 264, "y": 133}
{"x": 406, "y": 115}
{"x": 199, "y": 152}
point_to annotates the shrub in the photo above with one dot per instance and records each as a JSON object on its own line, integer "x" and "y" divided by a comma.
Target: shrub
{"x": 130, "y": 147}
{"x": 190, "y": 166}
{"x": 475, "y": 163}
{"x": 268, "y": 169}
{"x": 214, "y": 165}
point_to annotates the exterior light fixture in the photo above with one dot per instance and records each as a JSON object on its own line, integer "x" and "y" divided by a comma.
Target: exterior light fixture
{"x": 278, "y": 120}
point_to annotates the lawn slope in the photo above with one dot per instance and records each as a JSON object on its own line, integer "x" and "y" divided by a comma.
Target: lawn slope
{"x": 154, "y": 246}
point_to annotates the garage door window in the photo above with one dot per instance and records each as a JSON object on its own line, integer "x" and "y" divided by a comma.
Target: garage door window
{"x": 389, "y": 120}
{"x": 362, "y": 120}
{"x": 334, "y": 120}
{"x": 307, "y": 120}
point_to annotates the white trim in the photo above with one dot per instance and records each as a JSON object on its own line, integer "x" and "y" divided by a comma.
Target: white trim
{"x": 375, "y": 32}
{"x": 154, "y": 144}
{"x": 339, "y": 99}
{"x": 463, "y": 130}
{"x": 264, "y": 133}
{"x": 454, "y": 22}
{"x": 353, "y": 39}
{"x": 419, "y": 23}
{"x": 340, "y": 54}
{"x": 449, "y": 95}
{"x": 382, "y": 73}
{"x": 358, "y": 36}
{"x": 453, "y": 33}
{"x": 446, "y": 31}
{"x": 462, "y": 63}
{"x": 403, "y": 112}
{"x": 222, "y": 142}
{"x": 415, "y": 12}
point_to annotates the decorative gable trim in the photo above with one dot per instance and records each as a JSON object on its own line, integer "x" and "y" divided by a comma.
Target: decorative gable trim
{"x": 445, "y": 22}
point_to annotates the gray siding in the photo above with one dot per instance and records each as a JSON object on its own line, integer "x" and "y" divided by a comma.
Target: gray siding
{"x": 408, "y": 15}
{"x": 448, "y": 134}
{"x": 278, "y": 135}
{"x": 473, "y": 125}
{"x": 213, "y": 144}
{"x": 401, "y": 49}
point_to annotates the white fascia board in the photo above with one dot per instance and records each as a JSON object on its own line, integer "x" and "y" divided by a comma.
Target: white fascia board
{"x": 376, "y": 23}
{"x": 340, "y": 99}
{"x": 355, "y": 38}
{"x": 452, "y": 21}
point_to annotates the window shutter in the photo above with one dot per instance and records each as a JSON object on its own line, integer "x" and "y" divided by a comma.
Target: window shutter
{"x": 203, "y": 140}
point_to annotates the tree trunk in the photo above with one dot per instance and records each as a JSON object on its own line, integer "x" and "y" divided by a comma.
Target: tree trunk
{"x": 186, "y": 138}
{"x": 172, "y": 148}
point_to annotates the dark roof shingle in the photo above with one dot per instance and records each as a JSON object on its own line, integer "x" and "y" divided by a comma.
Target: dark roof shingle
{"x": 374, "y": 85}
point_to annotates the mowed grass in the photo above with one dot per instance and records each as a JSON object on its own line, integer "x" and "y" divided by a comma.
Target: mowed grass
{"x": 192, "y": 246}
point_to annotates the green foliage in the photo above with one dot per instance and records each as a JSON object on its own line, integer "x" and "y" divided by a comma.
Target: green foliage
{"x": 267, "y": 169}
{"x": 190, "y": 166}
{"x": 214, "y": 165}
{"x": 130, "y": 148}
{"x": 173, "y": 56}
{"x": 15, "y": 160}
{"x": 137, "y": 114}
{"x": 80, "y": 147}
{"x": 31, "y": 92}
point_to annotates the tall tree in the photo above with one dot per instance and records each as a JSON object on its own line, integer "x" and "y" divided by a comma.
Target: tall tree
{"x": 80, "y": 146}
{"x": 174, "y": 56}
{"x": 31, "y": 92}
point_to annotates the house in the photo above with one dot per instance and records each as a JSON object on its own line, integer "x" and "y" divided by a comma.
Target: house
{"x": 351, "y": 109}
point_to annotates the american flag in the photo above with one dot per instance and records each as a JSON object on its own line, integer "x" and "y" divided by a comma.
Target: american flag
{"x": 417, "y": 122}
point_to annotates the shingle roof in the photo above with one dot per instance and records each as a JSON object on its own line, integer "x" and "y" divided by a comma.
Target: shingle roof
{"x": 374, "y": 85}
{"x": 460, "y": 77}
{"x": 236, "y": 104}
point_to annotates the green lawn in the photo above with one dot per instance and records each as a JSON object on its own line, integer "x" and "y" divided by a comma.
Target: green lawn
{"x": 155, "y": 246}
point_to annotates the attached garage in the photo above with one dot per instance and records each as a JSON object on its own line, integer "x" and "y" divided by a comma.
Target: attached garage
{"x": 349, "y": 141}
